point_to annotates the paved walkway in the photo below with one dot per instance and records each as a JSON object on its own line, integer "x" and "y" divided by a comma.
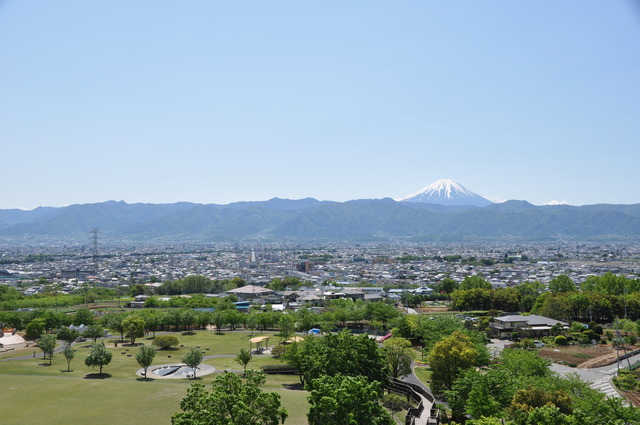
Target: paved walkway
{"x": 413, "y": 379}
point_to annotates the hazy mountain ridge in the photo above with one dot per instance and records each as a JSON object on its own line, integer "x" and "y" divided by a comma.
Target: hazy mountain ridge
{"x": 310, "y": 219}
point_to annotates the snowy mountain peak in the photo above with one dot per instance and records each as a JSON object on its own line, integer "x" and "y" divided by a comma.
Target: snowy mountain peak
{"x": 447, "y": 192}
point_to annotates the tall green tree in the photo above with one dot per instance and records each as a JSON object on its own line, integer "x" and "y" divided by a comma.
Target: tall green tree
{"x": 193, "y": 358}
{"x": 94, "y": 332}
{"x": 349, "y": 400}
{"x": 35, "y": 329}
{"x": 243, "y": 358}
{"x": 474, "y": 282}
{"x": 47, "y": 343}
{"x": 341, "y": 353}
{"x": 231, "y": 401}
{"x": 69, "y": 353}
{"x": 286, "y": 325}
{"x": 448, "y": 357}
{"x": 397, "y": 352}
{"x": 145, "y": 357}
{"x": 133, "y": 327}
{"x": 98, "y": 356}
{"x": 68, "y": 335}
{"x": 84, "y": 316}
{"x": 562, "y": 283}
{"x": 113, "y": 321}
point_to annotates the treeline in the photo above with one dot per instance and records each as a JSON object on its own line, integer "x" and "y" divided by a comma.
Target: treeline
{"x": 338, "y": 314}
{"x": 199, "y": 285}
{"x": 599, "y": 298}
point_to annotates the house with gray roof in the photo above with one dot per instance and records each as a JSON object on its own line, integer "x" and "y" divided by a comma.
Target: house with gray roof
{"x": 527, "y": 326}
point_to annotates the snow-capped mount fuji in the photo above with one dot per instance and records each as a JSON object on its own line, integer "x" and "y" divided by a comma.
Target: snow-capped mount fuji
{"x": 447, "y": 192}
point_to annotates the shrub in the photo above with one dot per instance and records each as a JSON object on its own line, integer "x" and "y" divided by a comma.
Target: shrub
{"x": 627, "y": 381}
{"x": 165, "y": 341}
{"x": 395, "y": 402}
{"x": 277, "y": 351}
{"x": 561, "y": 340}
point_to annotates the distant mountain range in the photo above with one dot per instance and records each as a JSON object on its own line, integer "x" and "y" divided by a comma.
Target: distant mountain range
{"x": 411, "y": 219}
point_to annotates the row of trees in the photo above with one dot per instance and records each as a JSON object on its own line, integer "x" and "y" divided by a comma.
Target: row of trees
{"x": 563, "y": 301}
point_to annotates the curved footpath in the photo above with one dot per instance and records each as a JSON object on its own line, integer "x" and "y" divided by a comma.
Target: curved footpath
{"x": 428, "y": 404}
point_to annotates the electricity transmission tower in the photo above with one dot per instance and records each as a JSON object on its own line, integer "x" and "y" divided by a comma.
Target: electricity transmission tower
{"x": 94, "y": 236}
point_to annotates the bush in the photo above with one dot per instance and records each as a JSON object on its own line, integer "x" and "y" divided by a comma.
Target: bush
{"x": 165, "y": 341}
{"x": 277, "y": 351}
{"x": 395, "y": 402}
{"x": 627, "y": 381}
{"x": 561, "y": 340}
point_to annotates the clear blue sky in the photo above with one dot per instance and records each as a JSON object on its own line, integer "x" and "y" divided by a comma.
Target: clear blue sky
{"x": 223, "y": 101}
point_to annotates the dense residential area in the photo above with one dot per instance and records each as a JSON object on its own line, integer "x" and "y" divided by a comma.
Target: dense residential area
{"x": 425, "y": 330}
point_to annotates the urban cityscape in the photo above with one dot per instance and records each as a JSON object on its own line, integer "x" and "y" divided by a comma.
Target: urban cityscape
{"x": 320, "y": 213}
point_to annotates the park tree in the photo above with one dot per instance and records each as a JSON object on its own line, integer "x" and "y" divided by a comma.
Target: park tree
{"x": 234, "y": 318}
{"x": 47, "y": 343}
{"x": 231, "y": 401}
{"x": 562, "y": 283}
{"x": 133, "y": 327}
{"x": 349, "y": 400}
{"x": 164, "y": 342}
{"x": 305, "y": 319}
{"x": 381, "y": 312}
{"x": 433, "y": 329}
{"x": 286, "y": 324}
{"x": 474, "y": 282}
{"x": 153, "y": 321}
{"x": 145, "y": 357}
{"x": 94, "y": 332}
{"x": 188, "y": 318}
{"x": 68, "y": 335}
{"x": 243, "y": 358}
{"x": 34, "y": 329}
{"x": 448, "y": 357}
{"x": 448, "y": 285}
{"x": 553, "y": 306}
{"x": 341, "y": 353}
{"x": 98, "y": 356}
{"x": 83, "y": 316}
{"x": 397, "y": 352}
{"x": 193, "y": 359}
{"x": 252, "y": 322}
{"x": 69, "y": 353}
{"x": 113, "y": 321}
{"x": 218, "y": 319}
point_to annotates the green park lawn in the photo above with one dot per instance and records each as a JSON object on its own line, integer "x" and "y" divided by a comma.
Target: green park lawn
{"x": 36, "y": 393}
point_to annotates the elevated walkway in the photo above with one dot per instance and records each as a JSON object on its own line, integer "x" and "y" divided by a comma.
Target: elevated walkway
{"x": 425, "y": 413}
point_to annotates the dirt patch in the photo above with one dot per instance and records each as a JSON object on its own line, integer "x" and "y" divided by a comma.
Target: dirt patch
{"x": 579, "y": 355}
{"x": 633, "y": 397}
{"x": 423, "y": 310}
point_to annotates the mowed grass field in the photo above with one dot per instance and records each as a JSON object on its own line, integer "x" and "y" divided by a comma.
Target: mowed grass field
{"x": 35, "y": 393}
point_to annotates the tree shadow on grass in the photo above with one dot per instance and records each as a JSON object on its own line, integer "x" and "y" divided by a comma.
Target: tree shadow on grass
{"x": 97, "y": 376}
{"x": 44, "y": 364}
{"x": 143, "y": 379}
{"x": 294, "y": 387}
{"x": 66, "y": 371}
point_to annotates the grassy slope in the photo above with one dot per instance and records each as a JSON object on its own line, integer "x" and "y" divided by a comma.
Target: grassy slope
{"x": 42, "y": 394}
